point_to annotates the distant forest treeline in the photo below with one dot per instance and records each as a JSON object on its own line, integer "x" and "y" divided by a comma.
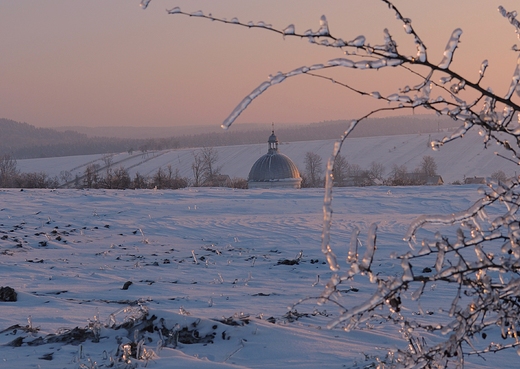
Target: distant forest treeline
{"x": 24, "y": 141}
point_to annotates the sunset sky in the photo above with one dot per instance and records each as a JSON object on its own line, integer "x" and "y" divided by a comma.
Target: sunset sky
{"x": 110, "y": 63}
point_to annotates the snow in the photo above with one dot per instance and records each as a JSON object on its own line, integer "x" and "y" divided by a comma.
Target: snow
{"x": 199, "y": 258}
{"x": 358, "y": 41}
{"x": 450, "y": 49}
{"x": 289, "y": 30}
{"x": 465, "y": 157}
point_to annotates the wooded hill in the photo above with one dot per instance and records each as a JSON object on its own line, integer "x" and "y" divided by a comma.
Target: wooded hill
{"x": 24, "y": 141}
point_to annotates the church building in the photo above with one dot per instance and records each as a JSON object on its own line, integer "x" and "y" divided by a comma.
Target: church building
{"x": 274, "y": 169}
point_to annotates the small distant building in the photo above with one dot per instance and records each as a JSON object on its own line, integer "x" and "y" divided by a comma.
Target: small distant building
{"x": 423, "y": 179}
{"x": 474, "y": 180}
{"x": 274, "y": 169}
{"x": 221, "y": 180}
{"x": 435, "y": 180}
{"x": 359, "y": 181}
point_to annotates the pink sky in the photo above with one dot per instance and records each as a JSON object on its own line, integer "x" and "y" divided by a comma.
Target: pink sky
{"x": 109, "y": 63}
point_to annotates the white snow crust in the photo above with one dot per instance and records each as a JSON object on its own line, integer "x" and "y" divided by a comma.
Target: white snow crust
{"x": 199, "y": 257}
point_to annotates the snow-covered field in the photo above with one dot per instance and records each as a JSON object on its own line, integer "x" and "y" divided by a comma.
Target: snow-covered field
{"x": 214, "y": 268}
{"x": 466, "y": 157}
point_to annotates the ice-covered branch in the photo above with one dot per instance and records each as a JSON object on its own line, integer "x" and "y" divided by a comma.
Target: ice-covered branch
{"x": 290, "y": 30}
{"x": 376, "y": 57}
{"x": 445, "y": 219}
{"x": 478, "y": 266}
{"x": 407, "y": 24}
{"x": 514, "y": 82}
{"x": 511, "y": 16}
{"x": 278, "y": 78}
{"x": 340, "y": 62}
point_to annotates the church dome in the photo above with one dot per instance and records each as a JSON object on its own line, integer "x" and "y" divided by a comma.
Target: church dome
{"x": 274, "y": 169}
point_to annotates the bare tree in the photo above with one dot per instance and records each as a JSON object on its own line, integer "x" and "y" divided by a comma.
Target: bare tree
{"x": 174, "y": 179}
{"x": 171, "y": 176}
{"x": 341, "y": 171}
{"x": 313, "y": 169}
{"x": 398, "y": 175}
{"x": 8, "y": 171}
{"x": 107, "y": 160}
{"x": 416, "y": 178}
{"x": 210, "y": 169}
{"x": 90, "y": 177}
{"x": 139, "y": 181}
{"x": 196, "y": 167}
{"x": 377, "y": 172}
{"x": 107, "y": 180}
{"x": 357, "y": 176}
{"x": 428, "y": 166}
{"x": 36, "y": 180}
{"x": 65, "y": 176}
{"x": 204, "y": 167}
{"x": 499, "y": 175}
{"x": 478, "y": 264}
{"x": 120, "y": 178}
{"x": 160, "y": 179}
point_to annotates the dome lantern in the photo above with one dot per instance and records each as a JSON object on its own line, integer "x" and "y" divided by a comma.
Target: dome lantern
{"x": 273, "y": 143}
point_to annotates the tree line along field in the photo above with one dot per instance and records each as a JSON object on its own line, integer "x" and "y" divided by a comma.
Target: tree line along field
{"x": 386, "y": 155}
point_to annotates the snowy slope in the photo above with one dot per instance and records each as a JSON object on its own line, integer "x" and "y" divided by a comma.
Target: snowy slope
{"x": 466, "y": 157}
{"x": 207, "y": 260}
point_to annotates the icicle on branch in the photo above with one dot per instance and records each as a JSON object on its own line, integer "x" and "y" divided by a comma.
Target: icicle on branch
{"x": 353, "y": 249}
{"x": 368, "y": 257}
{"x": 511, "y": 16}
{"x": 450, "y": 49}
{"x": 514, "y": 82}
{"x": 144, "y": 4}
